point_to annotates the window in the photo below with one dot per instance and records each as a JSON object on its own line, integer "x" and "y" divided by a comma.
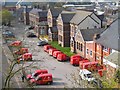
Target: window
{"x": 87, "y": 51}
{"x": 105, "y": 49}
{"x": 72, "y": 43}
{"x": 77, "y": 45}
{"x": 91, "y": 53}
{"x": 81, "y": 47}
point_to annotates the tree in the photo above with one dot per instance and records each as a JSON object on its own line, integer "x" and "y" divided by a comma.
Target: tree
{"x": 6, "y": 17}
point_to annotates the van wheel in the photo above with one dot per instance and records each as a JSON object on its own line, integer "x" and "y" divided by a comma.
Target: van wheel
{"x": 49, "y": 83}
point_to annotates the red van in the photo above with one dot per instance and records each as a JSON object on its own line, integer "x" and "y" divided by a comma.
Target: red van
{"x": 16, "y": 43}
{"x": 62, "y": 57}
{"x": 36, "y": 73}
{"x": 21, "y": 51}
{"x": 27, "y": 56}
{"x": 83, "y": 61}
{"x": 42, "y": 79}
{"x": 74, "y": 60}
{"x": 90, "y": 65}
{"x": 51, "y": 50}
{"x": 55, "y": 53}
{"x": 47, "y": 47}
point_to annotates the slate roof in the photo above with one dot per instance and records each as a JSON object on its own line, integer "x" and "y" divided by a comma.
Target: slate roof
{"x": 114, "y": 57}
{"x": 89, "y": 33}
{"x": 42, "y": 13}
{"x": 66, "y": 17}
{"x": 111, "y": 36}
{"x": 54, "y": 29}
{"x": 35, "y": 11}
{"x": 79, "y": 16}
{"x": 56, "y": 11}
{"x": 7, "y": 4}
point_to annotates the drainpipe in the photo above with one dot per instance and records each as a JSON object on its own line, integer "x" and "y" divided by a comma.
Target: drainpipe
{"x": 84, "y": 50}
{"x": 95, "y": 47}
{"x": 101, "y": 54}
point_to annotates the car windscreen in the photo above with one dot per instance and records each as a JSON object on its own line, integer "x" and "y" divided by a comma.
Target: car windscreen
{"x": 89, "y": 76}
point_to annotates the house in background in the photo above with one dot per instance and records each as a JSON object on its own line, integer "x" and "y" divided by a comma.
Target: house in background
{"x": 83, "y": 20}
{"x": 110, "y": 38}
{"x": 52, "y": 16}
{"x": 34, "y": 16}
{"x": 26, "y": 15}
{"x": 63, "y": 25}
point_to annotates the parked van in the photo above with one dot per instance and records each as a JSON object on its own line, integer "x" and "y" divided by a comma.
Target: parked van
{"x": 55, "y": 53}
{"x": 62, "y": 57}
{"x": 47, "y": 47}
{"x": 51, "y": 50}
{"x": 42, "y": 79}
{"x": 74, "y": 60}
{"x": 36, "y": 73}
{"x": 92, "y": 66}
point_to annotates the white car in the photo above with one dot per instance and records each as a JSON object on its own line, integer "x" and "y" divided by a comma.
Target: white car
{"x": 86, "y": 75}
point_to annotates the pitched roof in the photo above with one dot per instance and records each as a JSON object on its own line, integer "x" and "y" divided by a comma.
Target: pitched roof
{"x": 54, "y": 29}
{"x": 42, "y": 13}
{"x": 114, "y": 57}
{"x": 56, "y": 11}
{"x": 89, "y": 33}
{"x": 111, "y": 36}
{"x": 79, "y": 16}
{"x": 66, "y": 17}
{"x": 10, "y": 4}
{"x": 35, "y": 11}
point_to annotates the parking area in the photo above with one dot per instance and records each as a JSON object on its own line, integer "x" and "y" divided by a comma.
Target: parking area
{"x": 64, "y": 74}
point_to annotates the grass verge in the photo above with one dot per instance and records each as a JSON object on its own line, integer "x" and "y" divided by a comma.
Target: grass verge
{"x": 65, "y": 50}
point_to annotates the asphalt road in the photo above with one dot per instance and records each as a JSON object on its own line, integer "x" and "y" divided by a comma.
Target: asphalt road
{"x": 64, "y": 74}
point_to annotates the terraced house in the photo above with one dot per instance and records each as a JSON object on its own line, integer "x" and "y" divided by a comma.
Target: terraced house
{"x": 63, "y": 25}
{"x": 82, "y": 20}
{"x": 110, "y": 41}
{"x": 52, "y": 16}
{"x": 38, "y": 18}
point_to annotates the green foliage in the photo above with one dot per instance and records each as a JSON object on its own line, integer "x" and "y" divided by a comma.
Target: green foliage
{"x": 117, "y": 76}
{"x": 65, "y": 50}
{"x": 6, "y": 17}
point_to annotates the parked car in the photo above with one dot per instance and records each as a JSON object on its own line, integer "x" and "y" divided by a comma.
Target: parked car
{"x": 97, "y": 83}
{"x": 42, "y": 43}
{"x": 30, "y": 34}
{"x": 42, "y": 79}
{"x": 8, "y": 34}
{"x": 86, "y": 75}
{"x": 35, "y": 74}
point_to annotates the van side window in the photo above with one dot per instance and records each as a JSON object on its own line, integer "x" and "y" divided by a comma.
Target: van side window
{"x": 40, "y": 79}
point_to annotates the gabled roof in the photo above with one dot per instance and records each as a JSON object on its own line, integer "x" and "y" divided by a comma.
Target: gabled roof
{"x": 42, "y": 13}
{"x": 54, "y": 29}
{"x": 114, "y": 57}
{"x": 35, "y": 11}
{"x": 88, "y": 34}
{"x": 79, "y": 16}
{"x": 111, "y": 36}
{"x": 56, "y": 11}
{"x": 7, "y": 4}
{"x": 66, "y": 17}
